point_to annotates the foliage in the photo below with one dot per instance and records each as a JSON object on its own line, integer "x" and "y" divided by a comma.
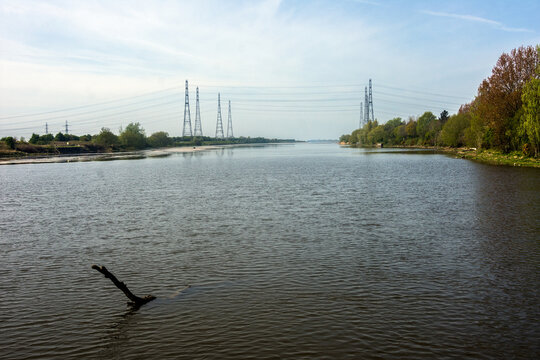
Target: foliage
{"x": 453, "y": 131}
{"x": 377, "y": 135}
{"x": 106, "y": 138}
{"x": 424, "y": 126}
{"x": 500, "y": 98}
{"x": 344, "y": 138}
{"x": 531, "y": 110}
{"x": 133, "y": 137}
{"x": 443, "y": 118}
{"x": 410, "y": 128}
{"x": 69, "y": 137}
{"x": 159, "y": 139}
{"x": 10, "y": 141}
{"x": 41, "y": 140}
{"x": 34, "y": 139}
{"x": 505, "y": 114}
{"x": 60, "y": 137}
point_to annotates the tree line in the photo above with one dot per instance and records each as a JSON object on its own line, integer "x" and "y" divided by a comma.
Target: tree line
{"x": 504, "y": 115}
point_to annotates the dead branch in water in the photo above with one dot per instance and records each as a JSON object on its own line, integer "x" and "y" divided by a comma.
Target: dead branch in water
{"x": 135, "y": 300}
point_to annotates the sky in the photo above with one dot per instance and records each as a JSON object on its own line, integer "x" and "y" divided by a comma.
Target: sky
{"x": 290, "y": 68}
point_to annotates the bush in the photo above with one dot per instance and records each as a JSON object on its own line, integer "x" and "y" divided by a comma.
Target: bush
{"x": 133, "y": 137}
{"x": 10, "y": 141}
{"x": 106, "y": 138}
{"x": 159, "y": 139}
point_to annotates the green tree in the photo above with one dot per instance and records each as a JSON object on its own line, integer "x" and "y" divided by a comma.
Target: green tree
{"x": 34, "y": 139}
{"x": 355, "y": 137}
{"x": 106, "y": 138}
{"x": 424, "y": 125}
{"x": 443, "y": 118}
{"x": 531, "y": 110}
{"x": 45, "y": 139}
{"x": 377, "y": 135}
{"x": 70, "y": 137}
{"x": 453, "y": 131}
{"x": 10, "y": 141}
{"x": 344, "y": 138}
{"x": 60, "y": 137}
{"x": 389, "y": 129}
{"x": 411, "y": 128}
{"x": 133, "y": 136}
{"x": 159, "y": 139}
{"x": 500, "y": 98}
{"x": 400, "y": 134}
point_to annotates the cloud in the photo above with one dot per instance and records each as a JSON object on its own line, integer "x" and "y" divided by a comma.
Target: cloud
{"x": 477, "y": 19}
{"x": 61, "y": 53}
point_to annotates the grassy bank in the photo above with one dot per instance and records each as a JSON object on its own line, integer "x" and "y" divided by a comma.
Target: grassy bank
{"x": 495, "y": 157}
{"x": 492, "y": 157}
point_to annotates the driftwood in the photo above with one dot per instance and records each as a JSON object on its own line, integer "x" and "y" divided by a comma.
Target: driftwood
{"x": 135, "y": 300}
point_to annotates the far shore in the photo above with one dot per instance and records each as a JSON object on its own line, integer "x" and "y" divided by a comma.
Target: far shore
{"x": 128, "y": 155}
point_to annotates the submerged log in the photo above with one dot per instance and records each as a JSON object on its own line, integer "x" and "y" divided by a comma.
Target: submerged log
{"x": 135, "y": 300}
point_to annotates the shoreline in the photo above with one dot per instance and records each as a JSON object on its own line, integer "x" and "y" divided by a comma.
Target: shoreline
{"x": 84, "y": 157}
{"x": 490, "y": 157}
{"x": 125, "y": 155}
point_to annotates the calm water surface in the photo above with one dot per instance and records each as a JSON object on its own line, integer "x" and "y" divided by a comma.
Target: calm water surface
{"x": 292, "y": 251}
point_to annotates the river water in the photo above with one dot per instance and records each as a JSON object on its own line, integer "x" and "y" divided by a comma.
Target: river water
{"x": 292, "y": 251}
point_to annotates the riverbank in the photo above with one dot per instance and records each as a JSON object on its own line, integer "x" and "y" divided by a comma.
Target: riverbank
{"x": 491, "y": 157}
{"x": 130, "y": 155}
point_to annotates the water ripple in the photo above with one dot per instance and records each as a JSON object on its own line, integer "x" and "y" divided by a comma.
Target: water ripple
{"x": 309, "y": 251}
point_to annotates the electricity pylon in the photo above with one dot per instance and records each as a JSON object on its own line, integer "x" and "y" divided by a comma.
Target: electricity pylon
{"x": 229, "y": 124}
{"x": 186, "y": 131}
{"x": 219, "y": 124}
{"x": 198, "y": 125}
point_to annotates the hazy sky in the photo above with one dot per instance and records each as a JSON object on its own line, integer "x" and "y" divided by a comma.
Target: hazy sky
{"x": 292, "y": 69}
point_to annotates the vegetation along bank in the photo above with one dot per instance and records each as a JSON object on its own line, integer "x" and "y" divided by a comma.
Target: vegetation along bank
{"x": 500, "y": 126}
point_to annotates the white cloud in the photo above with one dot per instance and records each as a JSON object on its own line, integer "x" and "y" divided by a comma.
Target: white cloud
{"x": 478, "y": 19}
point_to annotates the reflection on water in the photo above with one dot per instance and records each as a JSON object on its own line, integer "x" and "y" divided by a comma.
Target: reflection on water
{"x": 306, "y": 251}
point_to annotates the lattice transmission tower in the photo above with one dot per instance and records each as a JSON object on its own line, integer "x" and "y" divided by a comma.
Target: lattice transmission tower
{"x": 368, "y": 103}
{"x": 187, "y": 116}
{"x": 198, "y": 125}
{"x": 371, "y": 101}
{"x": 366, "y": 109}
{"x": 219, "y": 124}
{"x": 67, "y": 128}
{"x": 229, "y": 124}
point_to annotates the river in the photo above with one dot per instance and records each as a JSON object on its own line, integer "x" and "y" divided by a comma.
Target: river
{"x": 292, "y": 251}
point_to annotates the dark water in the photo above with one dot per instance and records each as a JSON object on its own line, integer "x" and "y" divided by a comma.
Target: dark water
{"x": 293, "y": 251}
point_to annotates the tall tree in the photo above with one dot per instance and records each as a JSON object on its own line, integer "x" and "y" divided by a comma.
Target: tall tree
{"x": 531, "y": 110}
{"x": 423, "y": 124}
{"x": 443, "y": 117}
{"x": 499, "y": 96}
